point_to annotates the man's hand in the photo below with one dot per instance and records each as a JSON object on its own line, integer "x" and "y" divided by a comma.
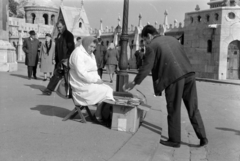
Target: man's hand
{"x": 99, "y": 81}
{"x": 53, "y": 62}
{"x": 129, "y": 86}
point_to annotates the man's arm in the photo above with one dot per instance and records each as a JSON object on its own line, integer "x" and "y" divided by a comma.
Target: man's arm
{"x": 70, "y": 44}
{"x": 147, "y": 66}
{"x": 25, "y": 47}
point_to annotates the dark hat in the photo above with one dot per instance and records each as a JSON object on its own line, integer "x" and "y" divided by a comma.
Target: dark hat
{"x": 32, "y": 32}
{"x": 49, "y": 35}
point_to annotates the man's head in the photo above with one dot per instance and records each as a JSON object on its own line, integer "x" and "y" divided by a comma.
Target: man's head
{"x": 61, "y": 26}
{"x": 148, "y": 33}
{"x": 99, "y": 40}
{"x": 32, "y": 34}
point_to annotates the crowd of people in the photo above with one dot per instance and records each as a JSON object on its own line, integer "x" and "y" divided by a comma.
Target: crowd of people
{"x": 163, "y": 56}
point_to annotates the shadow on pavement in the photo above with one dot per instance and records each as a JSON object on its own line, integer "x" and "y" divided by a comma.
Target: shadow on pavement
{"x": 60, "y": 112}
{"x": 49, "y": 110}
{"x": 35, "y": 86}
{"x": 18, "y": 75}
{"x": 152, "y": 127}
{"x": 237, "y": 132}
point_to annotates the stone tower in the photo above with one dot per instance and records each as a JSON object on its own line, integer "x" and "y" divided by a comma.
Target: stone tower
{"x": 41, "y": 12}
{"x": 212, "y": 40}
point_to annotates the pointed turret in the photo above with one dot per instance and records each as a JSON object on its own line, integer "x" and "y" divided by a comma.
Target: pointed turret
{"x": 165, "y": 22}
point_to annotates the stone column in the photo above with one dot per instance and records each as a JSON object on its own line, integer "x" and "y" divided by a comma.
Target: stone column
{"x": 21, "y": 55}
{"x": 7, "y": 51}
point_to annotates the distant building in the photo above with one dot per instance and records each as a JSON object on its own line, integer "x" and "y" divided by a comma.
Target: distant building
{"x": 212, "y": 40}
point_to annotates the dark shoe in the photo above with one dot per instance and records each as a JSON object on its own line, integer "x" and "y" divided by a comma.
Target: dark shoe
{"x": 46, "y": 92}
{"x": 35, "y": 77}
{"x": 97, "y": 121}
{"x": 29, "y": 78}
{"x": 170, "y": 143}
{"x": 203, "y": 142}
{"x": 111, "y": 81}
{"x": 44, "y": 79}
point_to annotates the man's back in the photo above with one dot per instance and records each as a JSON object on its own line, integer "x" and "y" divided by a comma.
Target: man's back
{"x": 171, "y": 62}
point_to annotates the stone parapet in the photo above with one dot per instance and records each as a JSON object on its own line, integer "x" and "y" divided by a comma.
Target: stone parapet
{"x": 8, "y": 58}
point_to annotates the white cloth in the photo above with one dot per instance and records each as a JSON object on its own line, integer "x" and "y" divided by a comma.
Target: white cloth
{"x": 83, "y": 78}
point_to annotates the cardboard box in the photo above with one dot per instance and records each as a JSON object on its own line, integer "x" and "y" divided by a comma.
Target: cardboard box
{"x": 126, "y": 118}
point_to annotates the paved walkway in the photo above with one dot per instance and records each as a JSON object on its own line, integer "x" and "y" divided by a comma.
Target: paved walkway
{"x": 31, "y": 128}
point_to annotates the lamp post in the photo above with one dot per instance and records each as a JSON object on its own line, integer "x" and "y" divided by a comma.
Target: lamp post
{"x": 122, "y": 75}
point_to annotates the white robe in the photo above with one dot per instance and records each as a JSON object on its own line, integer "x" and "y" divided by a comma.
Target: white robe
{"x": 83, "y": 78}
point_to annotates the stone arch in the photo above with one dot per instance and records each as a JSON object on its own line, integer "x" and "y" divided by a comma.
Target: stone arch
{"x": 45, "y": 17}
{"x": 233, "y": 60}
{"x": 33, "y": 17}
{"x": 53, "y": 19}
{"x": 209, "y": 46}
{"x": 216, "y": 15}
{"x": 207, "y": 18}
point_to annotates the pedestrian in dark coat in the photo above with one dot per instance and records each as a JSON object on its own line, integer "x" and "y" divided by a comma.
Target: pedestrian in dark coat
{"x": 100, "y": 53}
{"x": 30, "y": 47}
{"x": 172, "y": 72}
{"x": 64, "y": 47}
{"x": 111, "y": 58}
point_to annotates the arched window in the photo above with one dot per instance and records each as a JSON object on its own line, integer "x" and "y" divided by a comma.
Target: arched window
{"x": 199, "y": 18}
{"x": 52, "y": 19}
{"x": 209, "y": 46}
{"x": 216, "y": 16}
{"x": 191, "y": 19}
{"x": 80, "y": 24}
{"x": 208, "y": 18}
{"x": 33, "y": 17}
{"x": 45, "y": 16}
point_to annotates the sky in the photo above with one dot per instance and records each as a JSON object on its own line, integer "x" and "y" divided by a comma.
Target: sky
{"x": 151, "y": 10}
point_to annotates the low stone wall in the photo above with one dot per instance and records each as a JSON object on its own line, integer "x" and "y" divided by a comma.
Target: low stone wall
{"x": 8, "y": 57}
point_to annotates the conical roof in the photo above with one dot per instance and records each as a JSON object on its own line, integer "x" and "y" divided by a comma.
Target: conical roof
{"x": 41, "y": 3}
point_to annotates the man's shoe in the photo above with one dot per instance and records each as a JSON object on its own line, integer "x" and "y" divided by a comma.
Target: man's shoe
{"x": 46, "y": 92}
{"x": 35, "y": 77}
{"x": 203, "y": 142}
{"x": 45, "y": 79}
{"x": 29, "y": 78}
{"x": 170, "y": 143}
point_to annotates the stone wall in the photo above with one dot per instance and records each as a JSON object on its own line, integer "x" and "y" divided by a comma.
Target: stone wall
{"x": 230, "y": 31}
{"x": 197, "y": 33}
{"x": 7, "y": 51}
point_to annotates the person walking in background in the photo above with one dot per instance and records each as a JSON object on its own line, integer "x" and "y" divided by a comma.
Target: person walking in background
{"x": 63, "y": 49}
{"x": 111, "y": 58}
{"x": 30, "y": 47}
{"x": 47, "y": 56}
{"x": 79, "y": 42}
{"x": 139, "y": 54}
{"x": 100, "y": 53}
{"x": 172, "y": 72}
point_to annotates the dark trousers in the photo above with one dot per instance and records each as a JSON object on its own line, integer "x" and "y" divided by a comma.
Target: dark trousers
{"x": 54, "y": 80}
{"x": 100, "y": 72}
{"x": 32, "y": 70}
{"x": 185, "y": 89}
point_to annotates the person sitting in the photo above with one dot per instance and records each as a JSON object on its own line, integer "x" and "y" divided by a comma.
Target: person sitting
{"x": 87, "y": 86}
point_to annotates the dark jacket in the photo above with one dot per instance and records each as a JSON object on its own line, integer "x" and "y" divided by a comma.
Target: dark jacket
{"x": 167, "y": 60}
{"x": 100, "y": 53}
{"x": 112, "y": 57}
{"x": 64, "y": 46}
{"x": 30, "y": 47}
